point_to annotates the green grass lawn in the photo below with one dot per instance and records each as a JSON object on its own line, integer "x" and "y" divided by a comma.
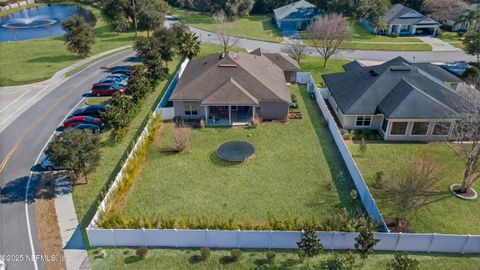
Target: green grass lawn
{"x": 297, "y": 174}
{"x": 314, "y": 65}
{"x": 23, "y": 62}
{"x": 251, "y": 27}
{"x": 447, "y": 214}
{"x": 180, "y": 259}
{"x": 453, "y": 38}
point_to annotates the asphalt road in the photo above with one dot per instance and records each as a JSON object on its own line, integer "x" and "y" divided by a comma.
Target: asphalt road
{"x": 20, "y": 145}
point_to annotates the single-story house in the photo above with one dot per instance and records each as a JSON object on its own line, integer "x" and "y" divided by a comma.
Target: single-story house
{"x": 401, "y": 100}
{"x": 233, "y": 88}
{"x": 459, "y": 25}
{"x": 296, "y": 16}
{"x": 405, "y": 21}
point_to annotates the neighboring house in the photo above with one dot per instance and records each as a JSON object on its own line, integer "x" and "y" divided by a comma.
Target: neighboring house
{"x": 296, "y": 16}
{"x": 458, "y": 25}
{"x": 405, "y": 21}
{"x": 402, "y": 101}
{"x": 233, "y": 88}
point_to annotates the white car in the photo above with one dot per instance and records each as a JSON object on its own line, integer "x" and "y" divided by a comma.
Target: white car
{"x": 48, "y": 165}
{"x": 3, "y": 265}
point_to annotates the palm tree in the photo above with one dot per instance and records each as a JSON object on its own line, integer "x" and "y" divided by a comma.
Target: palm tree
{"x": 189, "y": 45}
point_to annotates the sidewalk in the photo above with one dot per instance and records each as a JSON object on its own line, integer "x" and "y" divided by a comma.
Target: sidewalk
{"x": 14, "y": 100}
{"x": 438, "y": 45}
{"x": 76, "y": 256}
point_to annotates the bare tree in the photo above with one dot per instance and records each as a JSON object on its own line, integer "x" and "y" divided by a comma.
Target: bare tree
{"x": 327, "y": 34}
{"x": 295, "y": 49}
{"x": 442, "y": 10}
{"x": 224, "y": 31}
{"x": 182, "y": 137}
{"x": 410, "y": 187}
{"x": 466, "y": 132}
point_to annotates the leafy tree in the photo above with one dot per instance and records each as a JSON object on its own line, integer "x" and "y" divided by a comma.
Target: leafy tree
{"x": 471, "y": 42}
{"x": 472, "y": 17}
{"x": 414, "y": 4}
{"x": 402, "y": 262}
{"x": 155, "y": 54}
{"x": 328, "y": 34}
{"x": 118, "y": 116}
{"x": 120, "y": 13}
{"x": 365, "y": 242}
{"x": 76, "y": 150}
{"x": 373, "y": 10}
{"x": 309, "y": 244}
{"x": 138, "y": 85}
{"x": 151, "y": 14}
{"x": 79, "y": 35}
{"x": 189, "y": 45}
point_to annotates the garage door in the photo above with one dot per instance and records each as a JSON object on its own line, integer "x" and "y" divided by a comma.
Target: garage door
{"x": 289, "y": 25}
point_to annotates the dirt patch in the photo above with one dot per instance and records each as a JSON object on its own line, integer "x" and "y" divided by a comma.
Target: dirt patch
{"x": 47, "y": 224}
{"x": 396, "y": 225}
{"x": 468, "y": 194}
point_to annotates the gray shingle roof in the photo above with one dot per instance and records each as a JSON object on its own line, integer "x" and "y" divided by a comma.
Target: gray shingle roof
{"x": 297, "y": 10}
{"x": 400, "y": 14}
{"x": 396, "y": 88}
{"x": 282, "y": 60}
{"x": 234, "y": 78}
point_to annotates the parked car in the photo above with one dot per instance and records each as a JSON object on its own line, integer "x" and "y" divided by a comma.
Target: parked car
{"x": 107, "y": 89}
{"x": 91, "y": 110}
{"x": 77, "y": 120}
{"x": 124, "y": 71}
{"x": 47, "y": 165}
{"x": 121, "y": 79}
{"x": 93, "y": 128}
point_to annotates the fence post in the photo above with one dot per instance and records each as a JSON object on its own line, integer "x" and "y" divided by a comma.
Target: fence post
{"x": 398, "y": 241}
{"x": 113, "y": 237}
{"x": 238, "y": 238}
{"x": 144, "y": 237}
{"x": 176, "y": 237}
{"x": 270, "y": 240}
{"x": 431, "y": 242}
{"x": 465, "y": 243}
{"x": 206, "y": 237}
{"x": 333, "y": 240}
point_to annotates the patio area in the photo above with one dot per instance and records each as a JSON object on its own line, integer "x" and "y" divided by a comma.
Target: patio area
{"x": 229, "y": 115}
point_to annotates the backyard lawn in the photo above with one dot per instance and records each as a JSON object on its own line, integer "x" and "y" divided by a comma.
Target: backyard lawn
{"x": 297, "y": 174}
{"x": 30, "y": 61}
{"x": 180, "y": 259}
{"x": 252, "y": 27}
{"x": 446, "y": 214}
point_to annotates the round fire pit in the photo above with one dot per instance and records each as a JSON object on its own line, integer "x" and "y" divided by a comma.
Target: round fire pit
{"x": 236, "y": 151}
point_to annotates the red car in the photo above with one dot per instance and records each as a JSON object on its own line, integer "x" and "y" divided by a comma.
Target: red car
{"x": 77, "y": 120}
{"x": 107, "y": 89}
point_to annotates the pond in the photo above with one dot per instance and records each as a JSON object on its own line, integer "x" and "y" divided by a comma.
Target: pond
{"x": 40, "y": 22}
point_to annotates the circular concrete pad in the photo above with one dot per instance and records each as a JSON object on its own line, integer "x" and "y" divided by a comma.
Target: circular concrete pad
{"x": 236, "y": 151}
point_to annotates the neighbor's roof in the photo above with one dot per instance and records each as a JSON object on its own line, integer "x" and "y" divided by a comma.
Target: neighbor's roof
{"x": 397, "y": 89}
{"x": 282, "y": 60}
{"x": 233, "y": 78}
{"x": 400, "y": 14}
{"x": 297, "y": 10}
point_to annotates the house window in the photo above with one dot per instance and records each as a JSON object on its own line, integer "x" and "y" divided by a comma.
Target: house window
{"x": 420, "y": 128}
{"x": 399, "y": 128}
{"x": 405, "y": 28}
{"x": 363, "y": 121}
{"x": 442, "y": 128}
{"x": 385, "y": 125}
{"x": 191, "y": 108}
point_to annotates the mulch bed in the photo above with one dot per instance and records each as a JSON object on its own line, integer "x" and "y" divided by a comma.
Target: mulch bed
{"x": 469, "y": 193}
{"x": 398, "y": 225}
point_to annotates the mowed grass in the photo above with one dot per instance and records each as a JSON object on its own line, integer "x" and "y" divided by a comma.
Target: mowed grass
{"x": 314, "y": 65}
{"x": 251, "y": 27}
{"x": 446, "y": 214}
{"x": 297, "y": 173}
{"x": 29, "y": 61}
{"x": 183, "y": 259}
{"x": 453, "y": 38}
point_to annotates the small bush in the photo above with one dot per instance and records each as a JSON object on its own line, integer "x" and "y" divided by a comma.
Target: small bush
{"x": 301, "y": 255}
{"x": 255, "y": 122}
{"x": 343, "y": 261}
{"x": 394, "y": 35}
{"x": 202, "y": 123}
{"x": 205, "y": 253}
{"x": 470, "y": 72}
{"x": 460, "y": 33}
{"x": 353, "y": 197}
{"x": 363, "y": 147}
{"x": 141, "y": 252}
{"x": 402, "y": 262}
{"x": 235, "y": 254}
{"x": 378, "y": 180}
{"x": 270, "y": 257}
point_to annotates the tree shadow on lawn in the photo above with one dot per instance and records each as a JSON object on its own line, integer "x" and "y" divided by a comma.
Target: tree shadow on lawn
{"x": 132, "y": 259}
{"x": 54, "y": 59}
{"x": 338, "y": 170}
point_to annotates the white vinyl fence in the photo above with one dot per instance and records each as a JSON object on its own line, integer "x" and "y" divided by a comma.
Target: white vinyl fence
{"x": 362, "y": 188}
{"x": 278, "y": 240}
{"x": 413, "y": 242}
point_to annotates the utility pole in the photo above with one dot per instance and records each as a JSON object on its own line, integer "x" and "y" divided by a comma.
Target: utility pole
{"x": 134, "y": 17}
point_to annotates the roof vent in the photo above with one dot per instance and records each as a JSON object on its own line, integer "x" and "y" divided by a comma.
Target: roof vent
{"x": 227, "y": 65}
{"x": 373, "y": 72}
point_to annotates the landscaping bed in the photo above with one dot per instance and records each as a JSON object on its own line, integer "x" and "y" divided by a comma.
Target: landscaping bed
{"x": 297, "y": 177}
{"x": 444, "y": 213}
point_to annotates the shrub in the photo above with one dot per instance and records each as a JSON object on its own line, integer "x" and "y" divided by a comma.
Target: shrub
{"x": 270, "y": 257}
{"x": 255, "y": 122}
{"x": 310, "y": 244}
{"x": 205, "y": 253}
{"x": 343, "y": 261}
{"x": 402, "y": 262}
{"x": 460, "y": 33}
{"x": 365, "y": 242}
{"x": 378, "y": 179}
{"x": 363, "y": 147}
{"x": 353, "y": 197}
{"x": 235, "y": 254}
{"x": 202, "y": 123}
{"x": 301, "y": 255}
{"x": 470, "y": 72}
{"x": 141, "y": 252}
{"x": 394, "y": 35}
{"x": 182, "y": 137}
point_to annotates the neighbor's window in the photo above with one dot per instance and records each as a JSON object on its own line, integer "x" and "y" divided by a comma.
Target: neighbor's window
{"x": 420, "y": 128}
{"x": 441, "y": 128}
{"x": 399, "y": 128}
{"x": 363, "y": 121}
{"x": 385, "y": 125}
{"x": 191, "y": 108}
